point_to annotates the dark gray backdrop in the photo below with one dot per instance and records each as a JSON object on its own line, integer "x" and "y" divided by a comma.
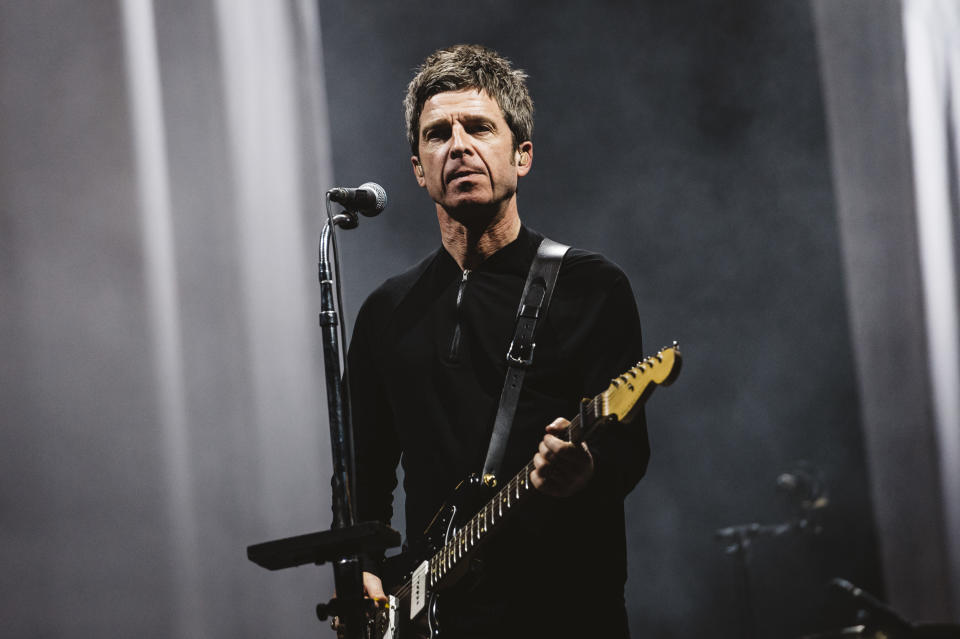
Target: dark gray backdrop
{"x": 686, "y": 141}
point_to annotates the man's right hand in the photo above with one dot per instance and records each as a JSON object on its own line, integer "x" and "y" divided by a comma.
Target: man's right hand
{"x": 373, "y": 587}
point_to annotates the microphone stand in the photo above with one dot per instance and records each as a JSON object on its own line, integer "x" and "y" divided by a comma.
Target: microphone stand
{"x": 338, "y": 410}
{"x": 346, "y": 539}
{"x": 348, "y": 581}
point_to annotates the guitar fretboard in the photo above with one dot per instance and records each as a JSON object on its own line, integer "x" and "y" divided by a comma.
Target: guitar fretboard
{"x": 488, "y": 518}
{"x": 617, "y": 402}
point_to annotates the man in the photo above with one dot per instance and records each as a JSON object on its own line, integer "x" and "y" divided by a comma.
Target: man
{"x": 427, "y": 365}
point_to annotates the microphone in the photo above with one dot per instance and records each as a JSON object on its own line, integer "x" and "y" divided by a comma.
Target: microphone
{"x": 369, "y": 198}
{"x": 804, "y": 484}
{"x": 882, "y": 614}
{"x": 797, "y": 483}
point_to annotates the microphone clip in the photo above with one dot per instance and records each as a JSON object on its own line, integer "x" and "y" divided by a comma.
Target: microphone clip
{"x": 346, "y": 219}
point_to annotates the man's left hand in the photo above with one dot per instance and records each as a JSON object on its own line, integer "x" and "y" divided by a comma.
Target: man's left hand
{"x": 561, "y": 468}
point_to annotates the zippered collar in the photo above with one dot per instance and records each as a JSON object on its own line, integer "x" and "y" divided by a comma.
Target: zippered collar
{"x": 515, "y": 257}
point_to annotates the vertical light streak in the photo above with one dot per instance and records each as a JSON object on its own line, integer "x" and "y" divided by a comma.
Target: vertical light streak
{"x": 931, "y": 32}
{"x": 143, "y": 80}
{"x": 310, "y": 46}
{"x": 265, "y": 145}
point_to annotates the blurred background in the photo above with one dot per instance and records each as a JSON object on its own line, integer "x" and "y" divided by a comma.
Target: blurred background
{"x": 779, "y": 181}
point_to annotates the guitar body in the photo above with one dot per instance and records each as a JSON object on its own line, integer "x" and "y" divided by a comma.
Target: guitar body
{"x": 467, "y": 498}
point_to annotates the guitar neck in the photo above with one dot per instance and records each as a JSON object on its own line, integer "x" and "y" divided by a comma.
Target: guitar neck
{"x": 475, "y": 531}
{"x": 625, "y": 393}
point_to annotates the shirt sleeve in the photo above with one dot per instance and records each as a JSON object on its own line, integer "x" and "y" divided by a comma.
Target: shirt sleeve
{"x": 622, "y": 452}
{"x": 376, "y": 445}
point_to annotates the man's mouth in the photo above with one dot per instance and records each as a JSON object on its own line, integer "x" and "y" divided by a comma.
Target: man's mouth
{"x": 461, "y": 173}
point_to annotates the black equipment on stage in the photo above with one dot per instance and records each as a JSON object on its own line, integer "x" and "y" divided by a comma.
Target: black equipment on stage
{"x": 877, "y": 620}
{"x": 347, "y": 538}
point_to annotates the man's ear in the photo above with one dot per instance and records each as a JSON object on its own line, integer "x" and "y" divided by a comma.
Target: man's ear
{"x": 524, "y": 158}
{"x": 418, "y": 170}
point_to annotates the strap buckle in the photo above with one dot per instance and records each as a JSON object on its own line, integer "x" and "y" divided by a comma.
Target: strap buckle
{"x": 520, "y": 359}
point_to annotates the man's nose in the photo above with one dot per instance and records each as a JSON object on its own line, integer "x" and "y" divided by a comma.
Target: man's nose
{"x": 459, "y": 141}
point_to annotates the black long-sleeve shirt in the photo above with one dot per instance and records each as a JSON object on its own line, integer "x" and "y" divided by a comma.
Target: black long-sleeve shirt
{"x": 426, "y": 368}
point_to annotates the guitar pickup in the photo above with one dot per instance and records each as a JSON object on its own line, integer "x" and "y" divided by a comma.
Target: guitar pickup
{"x": 418, "y": 589}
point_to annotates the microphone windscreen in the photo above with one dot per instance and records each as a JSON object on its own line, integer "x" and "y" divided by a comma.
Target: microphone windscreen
{"x": 381, "y": 196}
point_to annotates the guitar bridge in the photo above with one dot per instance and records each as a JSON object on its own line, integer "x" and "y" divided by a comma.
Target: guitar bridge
{"x": 386, "y": 626}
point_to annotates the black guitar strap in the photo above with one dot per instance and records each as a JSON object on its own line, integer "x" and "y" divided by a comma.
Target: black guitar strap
{"x": 533, "y": 305}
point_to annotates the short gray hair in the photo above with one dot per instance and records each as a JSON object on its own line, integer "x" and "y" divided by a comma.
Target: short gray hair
{"x": 470, "y": 66}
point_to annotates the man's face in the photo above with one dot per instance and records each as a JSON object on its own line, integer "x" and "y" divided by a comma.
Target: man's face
{"x": 467, "y": 153}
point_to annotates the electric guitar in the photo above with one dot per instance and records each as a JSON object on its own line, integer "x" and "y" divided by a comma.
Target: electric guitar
{"x": 454, "y": 535}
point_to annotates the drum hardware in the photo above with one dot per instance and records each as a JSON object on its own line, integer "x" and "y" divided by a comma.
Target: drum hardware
{"x": 804, "y": 484}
